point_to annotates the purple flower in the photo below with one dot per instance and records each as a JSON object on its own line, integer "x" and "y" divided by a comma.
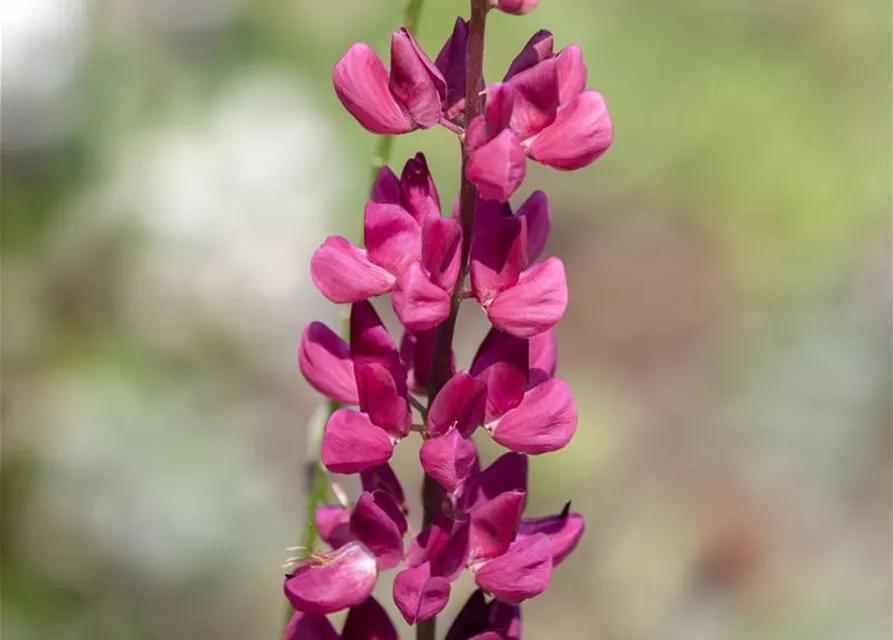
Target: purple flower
{"x": 366, "y": 621}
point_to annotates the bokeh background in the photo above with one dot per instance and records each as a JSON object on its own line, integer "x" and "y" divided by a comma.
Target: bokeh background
{"x": 168, "y": 168}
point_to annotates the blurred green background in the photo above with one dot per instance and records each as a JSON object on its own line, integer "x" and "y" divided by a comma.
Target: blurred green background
{"x": 168, "y": 168}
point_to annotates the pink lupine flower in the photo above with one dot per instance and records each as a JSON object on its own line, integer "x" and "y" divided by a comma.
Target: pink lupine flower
{"x": 303, "y": 626}
{"x": 480, "y": 620}
{"x": 365, "y": 621}
{"x": 325, "y": 362}
{"x": 517, "y": 7}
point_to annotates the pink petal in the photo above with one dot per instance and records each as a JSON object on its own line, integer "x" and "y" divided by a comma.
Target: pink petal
{"x": 487, "y": 635}
{"x": 497, "y": 257}
{"x": 386, "y": 189}
{"x": 459, "y": 404}
{"x": 537, "y": 49}
{"x": 333, "y": 525}
{"x": 309, "y": 627}
{"x": 371, "y": 342}
{"x": 352, "y": 443}
{"x": 442, "y": 251}
{"x": 476, "y": 136}
{"x": 582, "y": 132}
{"x": 383, "y": 478}
{"x": 327, "y": 583}
{"x": 535, "y": 210}
{"x": 393, "y": 237}
{"x": 516, "y": 7}
{"x": 564, "y": 531}
{"x": 343, "y": 273}
{"x": 361, "y": 82}
{"x": 418, "y": 193}
{"x": 369, "y": 621}
{"x": 417, "y": 351}
{"x": 498, "y": 167}
{"x": 535, "y": 304}
{"x": 451, "y": 61}
{"x": 544, "y": 421}
{"x": 571, "y": 73}
{"x": 522, "y": 572}
{"x": 508, "y": 473}
{"x": 415, "y": 82}
{"x": 382, "y": 400}
{"x": 494, "y": 524}
{"x": 387, "y": 503}
{"x": 373, "y": 526}
{"x": 419, "y": 303}
{"x": 502, "y": 362}
{"x": 325, "y": 362}
{"x": 419, "y": 595}
{"x": 443, "y": 543}
{"x": 536, "y": 98}
{"x": 543, "y": 357}
{"x": 500, "y": 106}
{"x": 449, "y": 459}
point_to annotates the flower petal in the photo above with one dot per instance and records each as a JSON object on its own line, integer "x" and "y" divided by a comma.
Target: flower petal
{"x": 571, "y": 73}
{"x": 369, "y": 621}
{"x": 498, "y": 255}
{"x": 442, "y": 251}
{"x": 417, "y": 351}
{"x": 415, "y": 82}
{"x": 498, "y": 167}
{"x": 393, "y": 237}
{"x": 536, "y": 98}
{"x": 516, "y": 7}
{"x": 537, "y": 49}
{"x": 449, "y": 459}
{"x": 502, "y": 362}
{"x": 443, "y": 543}
{"x": 374, "y": 527}
{"x": 451, "y": 61}
{"x": 332, "y": 582}
{"x": 460, "y": 403}
{"x": 361, "y": 83}
{"x": 535, "y": 210}
{"x": 418, "y": 193}
{"x": 494, "y": 524}
{"x": 582, "y": 132}
{"x": 324, "y": 359}
{"x": 343, "y": 273}
{"x": 545, "y": 420}
{"x": 522, "y": 572}
{"x": 564, "y": 531}
{"x": 371, "y": 342}
{"x": 303, "y": 626}
{"x": 351, "y": 443}
{"x": 383, "y": 400}
{"x": 419, "y": 303}
{"x": 419, "y": 595}
{"x": 505, "y": 619}
{"x": 543, "y": 357}
{"x": 508, "y": 473}
{"x": 332, "y": 522}
{"x": 471, "y": 619}
{"x": 384, "y": 479}
{"x": 535, "y": 304}
{"x": 386, "y": 189}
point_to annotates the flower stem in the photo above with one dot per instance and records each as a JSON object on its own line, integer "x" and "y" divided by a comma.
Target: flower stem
{"x": 432, "y": 495}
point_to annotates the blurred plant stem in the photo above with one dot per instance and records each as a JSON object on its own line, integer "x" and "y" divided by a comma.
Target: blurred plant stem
{"x": 318, "y": 487}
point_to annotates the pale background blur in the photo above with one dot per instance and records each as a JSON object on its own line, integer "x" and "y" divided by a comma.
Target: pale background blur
{"x": 169, "y": 166}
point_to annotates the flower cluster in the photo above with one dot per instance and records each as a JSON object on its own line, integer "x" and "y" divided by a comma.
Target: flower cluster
{"x": 421, "y": 260}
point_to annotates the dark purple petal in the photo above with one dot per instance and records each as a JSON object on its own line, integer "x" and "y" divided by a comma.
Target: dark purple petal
{"x": 506, "y": 474}
{"x": 417, "y": 191}
{"x": 309, "y": 627}
{"x": 535, "y": 304}
{"x": 352, "y": 443}
{"x": 369, "y": 621}
{"x": 392, "y": 508}
{"x": 393, "y": 237}
{"x": 451, "y": 61}
{"x": 383, "y": 478}
{"x": 535, "y": 210}
{"x": 443, "y": 543}
{"x": 544, "y": 421}
{"x": 543, "y": 357}
{"x": 361, "y": 82}
{"x": 581, "y": 133}
{"x": 472, "y": 618}
{"x": 537, "y": 49}
{"x": 459, "y": 404}
{"x": 442, "y": 251}
{"x": 383, "y": 400}
{"x": 536, "y": 98}
{"x": 326, "y": 583}
{"x": 419, "y": 303}
{"x": 344, "y": 273}
{"x": 419, "y": 595}
{"x": 373, "y": 526}
{"x": 324, "y": 359}
{"x": 449, "y": 459}
{"x": 417, "y": 351}
{"x": 415, "y": 82}
{"x": 332, "y": 522}
{"x": 505, "y": 619}
{"x": 498, "y": 167}
{"x": 564, "y": 531}
{"x": 522, "y": 572}
{"x": 571, "y": 73}
{"x": 497, "y": 257}
{"x": 386, "y": 189}
{"x": 502, "y": 362}
{"x": 371, "y": 342}
{"x": 494, "y": 524}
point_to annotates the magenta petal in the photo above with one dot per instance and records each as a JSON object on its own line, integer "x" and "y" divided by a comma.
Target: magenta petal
{"x": 343, "y": 273}
{"x": 535, "y": 304}
{"x": 386, "y": 189}
{"x": 506, "y": 619}
{"x": 471, "y": 619}
{"x": 564, "y": 531}
{"x": 537, "y": 49}
{"x": 387, "y": 503}
{"x": 327, "y": 583}
{"x": 543, "y": 357}
{"x": 582, "y": 132}
{"x": 383, "y": 478}
{"x": 507, "y": 473}
{"x": 303, "y": 626}
{"x": 393, "y": 237}
{"x": 325, "y": 361}
{"x": 369, "y": 621}
{"x": 417, "y": 190}
{"x": 352, "y": 443}
{"x": 498, "y": 167}
{"x": 502, "y": 362}
{"x": 361, "y": 82}
{"x": 500, "y": 104}
{"x": 333, "y": 525}
{"x": 516, "y": 7}
{"x": 451, "y": 61}
{"x": 419, "y": 303}
{"x": 415, "y": 82}
{"x": 383, "y": 400}
{"x": 459, "y": 404}
{"x": 449, "y": 459}
{"x": 417, "y": 351}
{"x": 497, "y": 257}
{"x": 571, "y": 73}
{"x": 419, "y": 595}
{"x": 370, "y": 340}
{"x": 476, "y": 136}
{"x": 374, "y": 527}
{"x": 522, "y": 572}
{"x": 494, "y": 524}
{"x": 544, "y": 421}
{"x": 536, "y": 98}
{"x": 535, "y": 210}
{"x": 443, "y": 543}
{"x": 487, "y": 635}
{"x": 442, "y": 251}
